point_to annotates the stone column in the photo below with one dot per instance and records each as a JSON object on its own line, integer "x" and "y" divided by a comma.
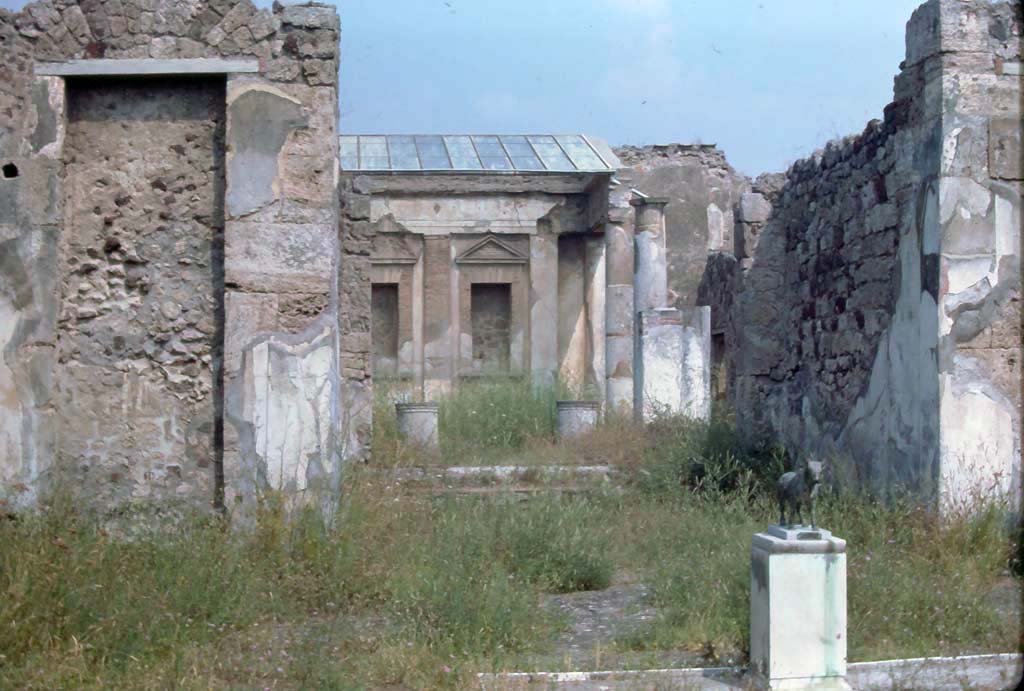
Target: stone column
{"x": 650, "y": 282}
{"x": 798, "y": 610}
{"x": 417, "y": 326}
{"x": 543, "y": 308}
{"x": 596, "y": 284}
{"x": 619, "y": 314}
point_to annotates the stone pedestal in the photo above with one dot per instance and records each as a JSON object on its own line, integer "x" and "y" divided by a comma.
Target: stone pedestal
{"x": 417, "y": 423}
{"x": 798, "y": 610}
{"x": 658, "y": 364}
{"x": 577, "y": 417}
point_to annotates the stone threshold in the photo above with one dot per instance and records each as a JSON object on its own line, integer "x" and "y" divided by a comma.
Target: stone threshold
{"x": 501, "y": 472}
{"x": 971, "y": 672}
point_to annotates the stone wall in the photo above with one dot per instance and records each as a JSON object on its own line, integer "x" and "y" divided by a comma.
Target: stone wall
{"x": 702, "y": 189}
{"x": 139, "y": 336}
{"x": 872, "y": 314}
{"x": 979, "y": 232}
{"x": 355, "y": 232}
{"x": 213, "y": 235}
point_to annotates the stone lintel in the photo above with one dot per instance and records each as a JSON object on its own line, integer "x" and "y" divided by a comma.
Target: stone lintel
{"x": 465, "y": 182}
{"x": 140, "y": 67}
{"x": 650, "y": 201}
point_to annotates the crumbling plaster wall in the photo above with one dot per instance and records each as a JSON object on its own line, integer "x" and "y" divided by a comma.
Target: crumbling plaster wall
{"x": 702, "y": 189}
{"x": 874, "y": 314}
{"x": 978, "y": 50}
{"x": 280, "y": 293}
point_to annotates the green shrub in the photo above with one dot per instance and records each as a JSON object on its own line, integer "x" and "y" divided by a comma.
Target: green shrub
{"x": 706, "y": 457}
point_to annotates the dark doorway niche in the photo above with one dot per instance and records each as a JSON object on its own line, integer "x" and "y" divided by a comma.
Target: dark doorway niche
{"x": 491, "y": 322}
{"x": 384, "y": 328}
{"x": 9, "y": 171}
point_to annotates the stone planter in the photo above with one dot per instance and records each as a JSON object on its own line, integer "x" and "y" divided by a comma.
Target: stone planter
{"x": 577, "y": 417}
{"x": 417, "y": 423}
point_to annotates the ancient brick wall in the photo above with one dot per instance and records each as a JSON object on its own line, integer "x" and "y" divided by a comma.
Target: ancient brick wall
{"x": 248, "y": 176}
{"x": 356, "y": 233}
{"x": 877, "y": 284}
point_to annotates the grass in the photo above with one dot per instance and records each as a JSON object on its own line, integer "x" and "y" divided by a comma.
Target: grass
{"x": 498, "y": 421}
{"x": 407, "y": 591}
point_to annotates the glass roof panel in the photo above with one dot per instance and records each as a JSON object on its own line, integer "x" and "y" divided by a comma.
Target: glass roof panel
{"x": 433, "y": 155}
{"x": 523, "y": 157}
{"x": 349, "y": 152}
{"x": 551, "y": 153}
{"x": 462, "y": 153}
{"x": 374, "y": 163}
{"x": 373, "y": 153}
{"x": 492, "y": 153}
{"x": 349, "y": 146}
{"x": 403, "y": 153}
{"x": 524, "y": 163}
{"x": 580, "y": 152}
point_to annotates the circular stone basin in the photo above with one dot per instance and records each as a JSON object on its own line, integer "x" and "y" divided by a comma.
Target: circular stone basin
{"x": 577, "y": 417}
{"x": 417, "y": 423}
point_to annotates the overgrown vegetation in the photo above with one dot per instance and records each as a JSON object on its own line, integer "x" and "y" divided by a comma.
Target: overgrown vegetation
{"x": 408, "y": 590}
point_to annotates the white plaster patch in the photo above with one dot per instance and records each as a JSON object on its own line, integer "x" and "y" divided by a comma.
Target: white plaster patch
{"x": 11, "y": 470}
{"x": 716, "y": 227}
{"x": 290, "y": 407}
{"x": 949, "y": 145}
{"x": 1007, "y": 227}
{"x": 961, "y": 274}
{"x": 977, "y": 446}
{"x": 962, "y": 195}
{"x": 56, "y": 97}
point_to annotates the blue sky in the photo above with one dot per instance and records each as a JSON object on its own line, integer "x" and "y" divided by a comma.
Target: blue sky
{"x": 768, "y": 81}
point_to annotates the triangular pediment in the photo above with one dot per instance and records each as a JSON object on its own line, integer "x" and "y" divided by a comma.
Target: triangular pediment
{"x": 395, "y": 248}
{"x": 491, "y": 250}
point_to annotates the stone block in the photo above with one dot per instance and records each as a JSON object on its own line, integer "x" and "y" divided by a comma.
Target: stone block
{"x": 798, "y": 610}
{"x": 283, "y": 258}
{"x": 754, "y": 208}
{"x": 1004, "y": 152}
{"x": 309, "y": 15}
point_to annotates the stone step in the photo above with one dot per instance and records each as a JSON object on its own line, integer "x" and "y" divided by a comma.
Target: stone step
{"x": 507, "y": 477}
{"x": 1001, "y": 672}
